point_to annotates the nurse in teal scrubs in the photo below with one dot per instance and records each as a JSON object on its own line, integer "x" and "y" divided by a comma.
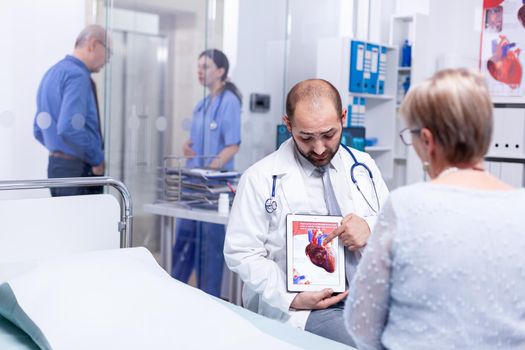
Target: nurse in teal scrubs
{"x": 215, "y": 131}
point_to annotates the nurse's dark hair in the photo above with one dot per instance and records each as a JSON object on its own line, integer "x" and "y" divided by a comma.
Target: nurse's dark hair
{"x": 311, "y": 90}
{"x": 221, "y": 61}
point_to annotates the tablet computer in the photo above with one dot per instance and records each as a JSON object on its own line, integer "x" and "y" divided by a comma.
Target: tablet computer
{"x": 311, "y": 263}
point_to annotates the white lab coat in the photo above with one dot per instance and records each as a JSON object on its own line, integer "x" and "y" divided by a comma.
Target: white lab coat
{"x": 255, "y": 245}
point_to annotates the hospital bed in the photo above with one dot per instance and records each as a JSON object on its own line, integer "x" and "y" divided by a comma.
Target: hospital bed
{"x": 66, "y": 284}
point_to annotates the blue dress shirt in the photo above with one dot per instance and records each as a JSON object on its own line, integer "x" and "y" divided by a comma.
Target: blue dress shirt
{"x": 66, "y": 118}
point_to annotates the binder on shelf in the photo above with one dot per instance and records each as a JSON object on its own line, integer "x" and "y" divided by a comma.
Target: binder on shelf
{"x": 495, "y": 169}
{"x": 374, "y": 68}
{"x": 512, "y": 173}
{"x": 358, "y": 113}
{"x": 357, "y": 62}
{"x": 508, "y": 137}
{"x": 353, "y": 111}
{"x": 367, "y": 67}
{"x": 514, "y": 131}
{"x": 362, "y": 110}
{"x": 498, "y": 137}
{"x": 349, "y": 113}
{"x": 382, "y": 71}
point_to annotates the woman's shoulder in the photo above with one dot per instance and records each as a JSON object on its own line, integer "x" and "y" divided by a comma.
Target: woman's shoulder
{"x": 410, "y": 191}
{"x": 425, "y": 190}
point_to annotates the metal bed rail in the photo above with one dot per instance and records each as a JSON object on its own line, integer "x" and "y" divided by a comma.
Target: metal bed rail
{"x": 125, "y": 225}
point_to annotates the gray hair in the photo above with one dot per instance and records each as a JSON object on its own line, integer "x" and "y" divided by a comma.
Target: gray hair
{"x": 455, "y": 105}
{"x": 91, "y": 31}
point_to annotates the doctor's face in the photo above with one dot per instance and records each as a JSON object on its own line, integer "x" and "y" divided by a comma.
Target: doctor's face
{"x": 316, "y": 130}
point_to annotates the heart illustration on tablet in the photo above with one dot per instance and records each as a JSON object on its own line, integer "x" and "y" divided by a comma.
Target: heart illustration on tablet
{"x": 320, "y": 253}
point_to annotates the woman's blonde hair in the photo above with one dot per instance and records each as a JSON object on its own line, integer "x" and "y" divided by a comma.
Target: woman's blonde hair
{"x": 455, "y": 106}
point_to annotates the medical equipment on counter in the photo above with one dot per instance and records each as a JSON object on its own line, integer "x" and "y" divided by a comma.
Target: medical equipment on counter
{"x": 195, "y": 187}
{"x": 270, "y": 204}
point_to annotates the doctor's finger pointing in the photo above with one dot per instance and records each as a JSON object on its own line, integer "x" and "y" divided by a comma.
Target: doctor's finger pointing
{"x": 335, "y": 233}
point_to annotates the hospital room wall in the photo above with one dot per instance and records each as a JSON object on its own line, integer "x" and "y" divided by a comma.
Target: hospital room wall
{"x": 453, "y": 40}
{"x": 454, "y": 31}
{"x": 280, "y": 39}
{"x": 34, "y": 36}
{"x": 259, "y": 67}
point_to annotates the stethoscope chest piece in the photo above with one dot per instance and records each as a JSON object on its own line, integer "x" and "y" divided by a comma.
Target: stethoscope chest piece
{"x": 270, "y": 205}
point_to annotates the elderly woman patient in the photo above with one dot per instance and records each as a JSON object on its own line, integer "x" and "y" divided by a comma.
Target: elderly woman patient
{"x": 445, "y": 266}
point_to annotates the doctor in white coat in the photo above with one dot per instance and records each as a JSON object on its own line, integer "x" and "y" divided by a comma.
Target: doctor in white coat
{"x": 255, "y": 245}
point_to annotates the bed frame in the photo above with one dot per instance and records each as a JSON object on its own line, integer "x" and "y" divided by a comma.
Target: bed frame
{"x": 125, "y": 225}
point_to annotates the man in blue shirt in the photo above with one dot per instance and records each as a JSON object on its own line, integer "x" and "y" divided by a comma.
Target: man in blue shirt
{"x": 67, "y": 120}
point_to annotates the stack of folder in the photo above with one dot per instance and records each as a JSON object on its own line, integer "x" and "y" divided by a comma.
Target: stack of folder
{"x": 367, "y": 68}
{"x": 198, "y": 187}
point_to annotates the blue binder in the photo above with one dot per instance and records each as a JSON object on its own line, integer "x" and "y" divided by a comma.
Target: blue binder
{"x": 357, "y": 61}
{"x": 352, "y": 111}
{"x": 362, "y": 111}
{"x": 382, "y": 71}
{"x": 366, "y": 70}
{"x": 374, "y": 68}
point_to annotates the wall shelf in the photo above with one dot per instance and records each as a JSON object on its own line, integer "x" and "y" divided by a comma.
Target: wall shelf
{"x": 505, "y": 158}
{"x": 413, "y": 28}
{"x": 371, "y": 96}
{"x": 334, "y": 64}
{"x": 377, "y": 149}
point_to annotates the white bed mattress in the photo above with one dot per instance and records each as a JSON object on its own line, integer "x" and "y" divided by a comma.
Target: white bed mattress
{"x": 121, "y": 311}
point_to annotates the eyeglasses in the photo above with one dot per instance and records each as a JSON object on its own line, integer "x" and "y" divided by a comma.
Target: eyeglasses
{"x": 106, "y": 47}
{"x": 406, "y": 135}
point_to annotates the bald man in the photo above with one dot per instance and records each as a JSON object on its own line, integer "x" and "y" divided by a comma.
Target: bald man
{"x": 67, "y": 120}
{"x": 255, "y": 246}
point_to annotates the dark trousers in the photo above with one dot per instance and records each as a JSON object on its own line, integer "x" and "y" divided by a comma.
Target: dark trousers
{"x": 60, "y": 167}
{"x": 199, "y": 245}
{"x": 329, "y": 323}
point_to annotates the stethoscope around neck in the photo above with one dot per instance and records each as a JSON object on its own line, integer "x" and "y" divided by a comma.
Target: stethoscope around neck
{"x": 213, "y": 124}
{"x": 271, "y": 204}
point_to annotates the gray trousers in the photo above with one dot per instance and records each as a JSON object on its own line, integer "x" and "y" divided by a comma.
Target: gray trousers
{"x": 329, "y": 323}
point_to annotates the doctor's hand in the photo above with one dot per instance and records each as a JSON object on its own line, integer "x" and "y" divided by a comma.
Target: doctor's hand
{"x": 187, "y": 150}
{"x": 353, "y": 232}
{"x": 317, "y": 300}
